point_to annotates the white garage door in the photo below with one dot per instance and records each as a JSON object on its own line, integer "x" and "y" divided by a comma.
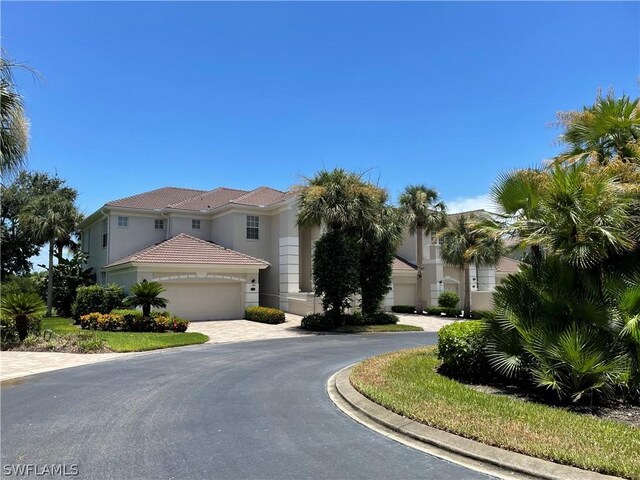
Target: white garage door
{"x": 404, "y": 294}
{"x": 204, "y": 301}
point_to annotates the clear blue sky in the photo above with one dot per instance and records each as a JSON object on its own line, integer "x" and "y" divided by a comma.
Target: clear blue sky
{"x": 144, "y": 95}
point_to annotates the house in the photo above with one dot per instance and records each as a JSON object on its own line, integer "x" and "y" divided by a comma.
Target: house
{"x": 219, "y": 251}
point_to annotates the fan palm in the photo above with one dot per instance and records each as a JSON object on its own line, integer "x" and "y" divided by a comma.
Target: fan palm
{"x": 48, "y": 218}
{"x": 425, "y": 214}
{"x": 463, "y": 243}
{"x": 147, "y": 295}
{"x": 20, "y": 307}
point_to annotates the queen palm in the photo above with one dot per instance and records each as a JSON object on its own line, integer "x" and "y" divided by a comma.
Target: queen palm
{"x": 463, "y": 243}
{"x": 425, "y": 214}
{"x": 48, "y": 218}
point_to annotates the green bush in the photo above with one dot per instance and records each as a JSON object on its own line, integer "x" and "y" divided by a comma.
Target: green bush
{"x": 96, "y": 298}
{"x": 108, "y": 322}
{"x": 403, "y": 309}
{"x": 264, "y": 315}
{"x": 461, "y": 349}
{"x": 448, "y": 299}
{"x": 381, "y": 318}
{"x": 444, "y": 312}
{"x": 179, "y": 325}
{"x": 132, "y": 320}
{"x": 483, "y": 314}
{"x": 318, "y": 322}
{"x": 8, "y": 332}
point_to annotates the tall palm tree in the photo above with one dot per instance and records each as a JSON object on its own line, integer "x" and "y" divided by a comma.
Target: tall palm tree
{"x": 607, "y": 131}
{"x": 48, "y": 218}
{"x": 425, "y": 214}
{"x": 464, "y": 242}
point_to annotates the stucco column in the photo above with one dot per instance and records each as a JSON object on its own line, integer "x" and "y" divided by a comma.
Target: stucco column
{"x": 289, "y": 267}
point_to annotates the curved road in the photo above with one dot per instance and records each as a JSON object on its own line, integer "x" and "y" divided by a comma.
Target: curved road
{"x": 244, "y": 410}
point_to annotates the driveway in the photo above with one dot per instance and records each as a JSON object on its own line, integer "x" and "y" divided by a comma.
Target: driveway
{"x": 232, "y": 411}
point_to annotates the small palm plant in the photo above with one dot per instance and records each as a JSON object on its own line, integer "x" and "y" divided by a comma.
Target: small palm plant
{"x": 20, "y": 307}
{"x": 147, "y": 295}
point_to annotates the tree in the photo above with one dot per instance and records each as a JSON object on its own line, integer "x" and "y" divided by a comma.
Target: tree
{"x": 20, "y": 307}
{"x": 14, "y": 128}
{"x": 47, "y": 218}
{"x": 147, "y": 295}
{"x": 462, "y": 243}
{"x": 18, "y": 245}
{"x": 68, "y": 275}
{"x": 602, "y": 133}
{"x": 425, "y": 214}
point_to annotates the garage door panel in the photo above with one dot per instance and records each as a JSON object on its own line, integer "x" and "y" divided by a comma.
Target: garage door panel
{"x": 204, "y": 301}
{"x": 404, "y": 294}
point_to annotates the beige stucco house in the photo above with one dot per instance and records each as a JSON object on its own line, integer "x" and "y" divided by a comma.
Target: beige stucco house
{"x": 219, "y": 251}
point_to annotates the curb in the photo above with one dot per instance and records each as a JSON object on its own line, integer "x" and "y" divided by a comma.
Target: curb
{"x": 469, "y": 453}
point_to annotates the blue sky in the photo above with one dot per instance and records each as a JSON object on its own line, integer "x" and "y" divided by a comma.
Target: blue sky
{"x": 144, "y": 95}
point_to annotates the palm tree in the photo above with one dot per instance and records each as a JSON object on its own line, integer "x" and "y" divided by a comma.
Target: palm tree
{"x": 48, "y": 218}
{"x": 607, "y": 131}
{"x": 20, "y": 307}
{"x": 464, "y": 242}
{"x": 147, "y": 295}
{"x": 425, "y": 214}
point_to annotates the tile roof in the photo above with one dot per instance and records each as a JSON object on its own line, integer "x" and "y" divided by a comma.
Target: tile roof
{"x": 208, "y": 200}
{"x": 261, "y": 196}
{"x": 402, "y": 264}
{"x": 159, "y": 198}
{"x": 185, "y": 249}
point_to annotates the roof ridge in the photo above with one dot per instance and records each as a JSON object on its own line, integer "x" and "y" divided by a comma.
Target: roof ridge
{"x": 251, "y": 192}
{"x": 204, "y": 194}
{"x": 151, "y": 191}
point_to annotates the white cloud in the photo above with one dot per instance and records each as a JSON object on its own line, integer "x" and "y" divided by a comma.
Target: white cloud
{"x": 465, "y": 204}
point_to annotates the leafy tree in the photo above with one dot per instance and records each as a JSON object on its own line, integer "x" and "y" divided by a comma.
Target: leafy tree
{"x": 47, "y": 218}
{"x": 425, "y": 214}
{"x": 19, "y": 307}
{"x": 147, "y": 295}
{"x": 68, "y": 275}
{"x": 463, "y": 243}
{"x": 336, "y": 276}
{"x": 18, "y": 244}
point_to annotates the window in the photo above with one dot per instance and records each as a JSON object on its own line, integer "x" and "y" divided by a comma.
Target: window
{"x": 253, "y": 227}
{"x": 159, "y": 224}
{"x": 123, "y": 222}
{"x": 195, "y": 224}
{"x": 103, "y": 278}
{"x": 105, "y": 232}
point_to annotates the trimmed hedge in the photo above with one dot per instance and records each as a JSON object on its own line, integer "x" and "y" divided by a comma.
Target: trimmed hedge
{"x": 318, "y": 322}
{"x": 381, "y": 318}
{"x": 448, "y": 299}
{"x": 403, "y": 309}
{"x": 96, "y": 298}
{"x": 133, "y": 321}
{"x": 439, "y": 311}
{"x": 483, "y": 314}
{"x": 461, "y": 349}
{"x": 271, "y": 316}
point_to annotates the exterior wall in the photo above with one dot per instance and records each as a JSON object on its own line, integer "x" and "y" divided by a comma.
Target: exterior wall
{"x": 481, "y": 300}
{"x": 125, "y": 278}
{"x": 139, "y": 234}
{"x": 222, "y": 230}
{"x": 92, "y": 245}
{"x": 182, "y": 224}
{"x": 289, "y": 256}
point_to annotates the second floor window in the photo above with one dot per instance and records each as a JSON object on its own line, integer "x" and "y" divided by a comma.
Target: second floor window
{"x": 159, "y": 224}
{"x": 253, "y": 227}
{"x": 123, "y": 222}
{"x": 105, "y": 232}
{"x": 195, "y": 224}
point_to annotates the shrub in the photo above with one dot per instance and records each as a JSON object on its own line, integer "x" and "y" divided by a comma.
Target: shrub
{"x": 483, "y": 314}
{"x": 444, "y": 312}
{"x": 264, "y": 315}
{"x": 448, "y": 299}
{"x": 461, "y": 349}
{"x": 381, "y": 318}
{"x": 109, "y": 322}
{"x": 96, "y": 298}
{"x": 8, "y": 332}
{"x": 318, "y": 322}
{"x": 403, "y": 309}
{"x": 179, "y": 325}
{"x": 132, "y": 320}
{"x": 20, "y": 307}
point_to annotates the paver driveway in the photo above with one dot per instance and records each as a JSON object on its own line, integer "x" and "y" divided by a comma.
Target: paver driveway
{"x": 242, "y": 410}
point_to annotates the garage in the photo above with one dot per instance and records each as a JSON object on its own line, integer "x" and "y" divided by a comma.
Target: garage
{"x": 205, "y": 301}
{"x": 404, "y": 294}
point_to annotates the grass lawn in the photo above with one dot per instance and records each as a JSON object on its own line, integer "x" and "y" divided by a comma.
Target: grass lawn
{"x": 407, "y": 383}
{"x": 127, "y": 341}
{"x": 378, "y": 328}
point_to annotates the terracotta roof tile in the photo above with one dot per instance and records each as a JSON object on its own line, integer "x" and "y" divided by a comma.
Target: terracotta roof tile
{"x": 261, "y": 196}
{"x": 185, "y": 249}
{"x": 209, "y": 200}
{"x": 402, "y": 264}
{"x": 159, "y": 198}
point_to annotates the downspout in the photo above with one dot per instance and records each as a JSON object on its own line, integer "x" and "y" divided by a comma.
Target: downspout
{"x": 166, "y": 235}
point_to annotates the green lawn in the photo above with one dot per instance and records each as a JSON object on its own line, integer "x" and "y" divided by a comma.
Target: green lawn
{"x": 127, "y": 341}
{"x": 407, "y": 383}
{"x": 378, "y": 328}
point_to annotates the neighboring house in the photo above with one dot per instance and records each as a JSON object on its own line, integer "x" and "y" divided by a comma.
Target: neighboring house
{"x": 219, "y": 251}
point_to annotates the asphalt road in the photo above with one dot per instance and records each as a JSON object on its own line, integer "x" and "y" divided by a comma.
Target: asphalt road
{"x": 245, "y": 410}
